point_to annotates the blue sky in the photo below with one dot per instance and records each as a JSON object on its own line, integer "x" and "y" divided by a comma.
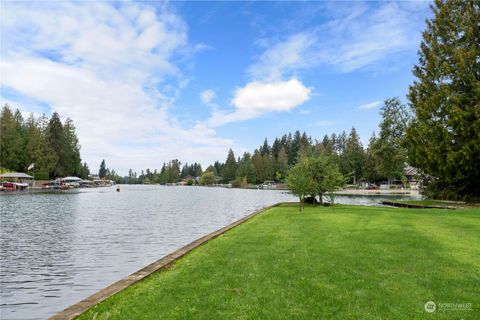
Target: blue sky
{"x": 146, "y": 82}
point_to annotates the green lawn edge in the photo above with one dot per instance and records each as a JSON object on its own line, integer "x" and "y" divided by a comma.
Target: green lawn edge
{"x": 346, "y": 262}
{"x": 440, "y": 203}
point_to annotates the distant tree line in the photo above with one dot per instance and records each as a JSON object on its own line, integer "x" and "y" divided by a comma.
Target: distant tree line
{"x": 52, "y": 146}
{"x": 383, "y": 159}
{"x": 438, "y": 133}
{"x": 171, "y": 172}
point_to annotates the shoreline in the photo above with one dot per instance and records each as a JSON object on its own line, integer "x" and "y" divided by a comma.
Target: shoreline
{"x": 80, "y": 307}
{"x": 245, "y": 273}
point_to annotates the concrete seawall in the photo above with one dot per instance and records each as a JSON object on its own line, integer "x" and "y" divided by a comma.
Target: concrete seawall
{"x": 82, "y": 306}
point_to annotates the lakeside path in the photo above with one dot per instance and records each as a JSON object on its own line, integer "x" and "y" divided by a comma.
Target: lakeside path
{"x": 347, "y": 262}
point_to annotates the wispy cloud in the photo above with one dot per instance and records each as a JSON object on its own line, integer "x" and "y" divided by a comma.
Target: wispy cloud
{"x": 283, "y": 57}
{"x": 356, "y": 35}
{"x": 109, "y": 67}
{"x": 362, "y": 36}
{"x": 207, "y": 96}
{"x": 371, "y": 105}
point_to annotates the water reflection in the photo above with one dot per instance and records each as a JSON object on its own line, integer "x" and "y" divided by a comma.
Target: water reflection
{"x": 58, "y": 248}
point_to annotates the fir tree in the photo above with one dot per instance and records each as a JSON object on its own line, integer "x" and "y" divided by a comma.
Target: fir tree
{"x": 230, "y": 170}
{"x": 102, "y": 172}
{"x": 444, "y": 138}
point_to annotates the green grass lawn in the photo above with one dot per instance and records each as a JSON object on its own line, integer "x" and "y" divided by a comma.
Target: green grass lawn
{"x": 350, "y": 262}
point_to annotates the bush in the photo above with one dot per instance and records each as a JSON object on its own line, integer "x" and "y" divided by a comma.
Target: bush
{"x": 208, "y": 178}
{"x": 236, "y": 183}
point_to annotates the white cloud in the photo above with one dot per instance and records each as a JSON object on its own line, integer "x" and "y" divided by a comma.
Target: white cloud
{"x": 207, "y": 96}
{"x": 258, "y": 98}
{"x": 276, "y": 96}
{"x": 108, "y": 67}
{"x": 371, "y": 105}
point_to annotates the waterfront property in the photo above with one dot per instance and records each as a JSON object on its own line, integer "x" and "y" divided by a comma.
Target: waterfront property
{"x": 60, "y": 247}
{"x": 14, "y": 181}
{"x": 347, "y": 262}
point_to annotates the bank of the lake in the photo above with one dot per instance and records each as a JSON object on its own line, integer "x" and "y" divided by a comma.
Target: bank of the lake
{"x": 347, "y": 262}
{"x": 59, "y": 247}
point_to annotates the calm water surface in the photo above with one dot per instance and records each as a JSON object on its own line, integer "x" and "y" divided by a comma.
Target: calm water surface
{"x": 57, "y": 248}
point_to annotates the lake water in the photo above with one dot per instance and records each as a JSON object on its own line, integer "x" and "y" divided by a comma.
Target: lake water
{"x": 57, "y": 248}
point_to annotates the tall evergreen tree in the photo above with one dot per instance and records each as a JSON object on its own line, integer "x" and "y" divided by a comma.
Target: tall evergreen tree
{"x": 340, "y": 142}
{"x": 354, "y": 156}
{"x": 281, "y": 164}
{"x": 102, "y": 172}
{"x": 72, "y": 161}
{"x": 389, "y": 150}
{"x": 370, "y": 168}
{"x": 230, "y": 170}
{"x": 257, "y": 163}
{"x": 56, "y": 141}
{"x": 218, "y": 167}
{"x": 174, "y": 171}
{"x": 38, "y": 150}
{"x": 197, "y": 170}
{"x": 84, "y": 171}
{"x": 268, "y": 167}
{"x": 10, "y": 141}
{"x": 443, "y": 140}
{"x": 276, "y": 148}
{"x": 265, "y": 148}
{"x": 21, "y": 136}
{"x": 246, "y": 169}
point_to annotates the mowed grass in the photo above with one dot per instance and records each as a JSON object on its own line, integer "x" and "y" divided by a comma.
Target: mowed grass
{"x": 350, "y": 262}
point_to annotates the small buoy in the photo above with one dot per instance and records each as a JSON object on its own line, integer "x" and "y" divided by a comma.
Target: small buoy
{"x": 118, "y": 189}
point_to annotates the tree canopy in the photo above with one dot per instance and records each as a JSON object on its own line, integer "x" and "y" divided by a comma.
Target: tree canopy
{"x": 443, "y": 139}
{"x": 314, "y": 176}
{"x": 52, "y": 146}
